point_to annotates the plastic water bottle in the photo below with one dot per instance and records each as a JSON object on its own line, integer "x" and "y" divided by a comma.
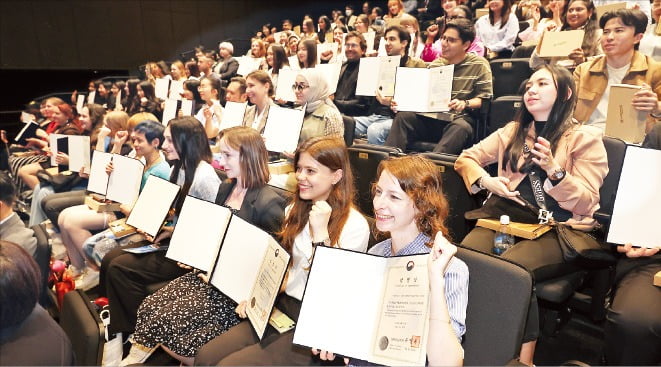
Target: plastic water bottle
{"x": 503, "y": 239}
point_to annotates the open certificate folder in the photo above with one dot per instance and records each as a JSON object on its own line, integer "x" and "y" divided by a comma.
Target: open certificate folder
{"x": 244, "y": 262}
{"x": 423, "y": 90}
{"x": 233, "y": 114}
{"x": 623, "y": 120}
{"x": 77, "y": 147}
{"x": 123, "y": 183}
{"x": 377, "y": 73}
{"x": 283, "y": 128}
{"x": 153, "y": 205}
{"x": 382, "y": 315}
{"x": 635, "y": 217}
{"x": 283, "y": 89}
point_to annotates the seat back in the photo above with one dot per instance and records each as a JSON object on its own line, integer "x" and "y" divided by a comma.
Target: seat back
{"x": 503, "y": 110}
{"x": 349, "y": 129}
{"x": 508, "y": 74}
{"x": 80, "y": 321}
{"x": 365, "y": 159}
{"x": 499, "y": 294}
{"x": 615, "y": 150}
{"x": 42, "y": 257}
{"x": 459, "y": 199}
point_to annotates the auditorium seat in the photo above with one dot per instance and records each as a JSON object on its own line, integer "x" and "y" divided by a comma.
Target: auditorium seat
{"x": 586, "y": 290}
{"x": 508, "y": 75}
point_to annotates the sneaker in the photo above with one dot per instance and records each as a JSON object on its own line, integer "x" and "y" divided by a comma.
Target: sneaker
{"x": 138, "y": 354}
{"x": 87, "y": 280}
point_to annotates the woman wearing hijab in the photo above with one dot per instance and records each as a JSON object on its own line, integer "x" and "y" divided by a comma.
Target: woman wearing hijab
{"x": 322, "y": 118}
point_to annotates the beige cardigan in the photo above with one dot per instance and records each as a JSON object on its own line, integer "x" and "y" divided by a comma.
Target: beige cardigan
{"x": 580, "y": 152}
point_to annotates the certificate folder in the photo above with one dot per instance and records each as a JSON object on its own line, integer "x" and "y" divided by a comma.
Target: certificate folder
{"x": 153, "y": 205}
{"x": 29, "y": 130}
{"x": 382, "y": 316}
{"x": 244, "y": 262}
{"x": 283, "y": 128}
{"x": 559, "y": 44}
{"x": 195, "y": 247}
{"x": 377, "y": 73}
{"x": 635, "y": 217}
{"x": 123, "y": 183}
{"x": 623, "y": 121}
{"x": 77, "y": 147}
{"x": 423, "y": 90}
{"x": 233, "y": 114}
{"x": 283, "y": 89}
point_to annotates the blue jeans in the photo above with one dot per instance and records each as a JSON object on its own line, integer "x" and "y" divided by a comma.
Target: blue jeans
{"x": 377, "y": 127}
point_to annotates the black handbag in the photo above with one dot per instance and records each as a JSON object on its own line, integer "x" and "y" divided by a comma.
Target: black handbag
{"x": 61, "y": 182}
{"x": 577, "y": 246}
{"x": 582, "y": 247}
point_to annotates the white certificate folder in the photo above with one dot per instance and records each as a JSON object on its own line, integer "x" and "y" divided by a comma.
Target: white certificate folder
{"x": 123, "y": 183}
{"x": 243, "y": 261}
{"x": 635, "y": 217}
{"x": 382, "y": 316}
{"x": 423, "y": 90}
{"x": 153, "y": 205}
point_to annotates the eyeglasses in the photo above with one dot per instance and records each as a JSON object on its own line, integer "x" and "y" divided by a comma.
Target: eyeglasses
{"x": 299, "y": 87}
{"x": 351, "y": 45}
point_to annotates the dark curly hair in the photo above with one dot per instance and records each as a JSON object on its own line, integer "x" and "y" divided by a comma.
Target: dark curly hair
{"x": 421, "y": 180}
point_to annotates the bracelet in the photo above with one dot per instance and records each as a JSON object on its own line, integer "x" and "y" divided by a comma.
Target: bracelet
{"x": 479, "y": 183}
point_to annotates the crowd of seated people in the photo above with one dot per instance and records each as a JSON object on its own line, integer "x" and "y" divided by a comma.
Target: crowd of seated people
{"x": 556, "y": 135}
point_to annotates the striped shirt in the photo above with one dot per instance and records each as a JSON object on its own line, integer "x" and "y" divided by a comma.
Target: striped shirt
{"x": 456, "y": 279}
{"x": 472, "y": 77}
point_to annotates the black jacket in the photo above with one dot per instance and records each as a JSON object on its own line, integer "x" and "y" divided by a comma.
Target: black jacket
{"x": 345, "y": 96}
{"x": 263, "y": 206}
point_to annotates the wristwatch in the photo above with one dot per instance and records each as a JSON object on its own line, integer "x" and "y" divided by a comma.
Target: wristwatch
{"x": 479, "y": 183}
{"x": 557, "y": 175}
{"x": 468, "y": 104}
{"x": 325, "y": 242}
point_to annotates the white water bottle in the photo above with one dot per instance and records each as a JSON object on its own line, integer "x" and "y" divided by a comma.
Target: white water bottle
{"x": 503, "y": 239}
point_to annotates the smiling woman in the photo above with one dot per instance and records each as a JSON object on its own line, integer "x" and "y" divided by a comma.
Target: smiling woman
{"x": 568, "y": 158}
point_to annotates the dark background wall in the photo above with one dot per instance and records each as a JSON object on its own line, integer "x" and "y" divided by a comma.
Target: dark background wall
{"x": 120, "y": 34}
{"x": 59, "y": 45}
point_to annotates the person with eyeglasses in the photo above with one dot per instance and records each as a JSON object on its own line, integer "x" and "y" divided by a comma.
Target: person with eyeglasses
{"x": 322, "y": 118}
{"x": 345, "y": 98}
{"x": 433, "y": 48}
{"x": 471, "y": 83}
{"x": 376, "y": 124}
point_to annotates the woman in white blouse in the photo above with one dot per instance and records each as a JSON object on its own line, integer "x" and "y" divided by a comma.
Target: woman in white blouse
{"x": 499, "y": 29}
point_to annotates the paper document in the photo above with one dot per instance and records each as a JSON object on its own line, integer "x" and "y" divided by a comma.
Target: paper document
{"x": 161, "y": 88}
{"x": 635, "y": 216}
{"x": 190, "y": 245}
{"x": 153, "y": 204}
{"x": 176, "y": 88}
{"x": 125, "y": 179}
{"x": 80, "y": 102}
{"x": 331, "y": 73}
{"x": 169, "y": 111}
{"x": 559, "y": 44}
{"x": 233, "y": 114}
{"x": 390, "y": 327}
{"x": 283, "y": 89}
{"x": 283, "y": 128}
{"x": 623, "y": 121}
{"x": 423, "y": 90}
{"x": 250, "y": 267}
{"x": 377, "y": 73}
{"x": 248, "y": 64}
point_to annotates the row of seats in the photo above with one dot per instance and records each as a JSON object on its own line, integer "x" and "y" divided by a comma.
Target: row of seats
{"x": 585, "y": 290}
